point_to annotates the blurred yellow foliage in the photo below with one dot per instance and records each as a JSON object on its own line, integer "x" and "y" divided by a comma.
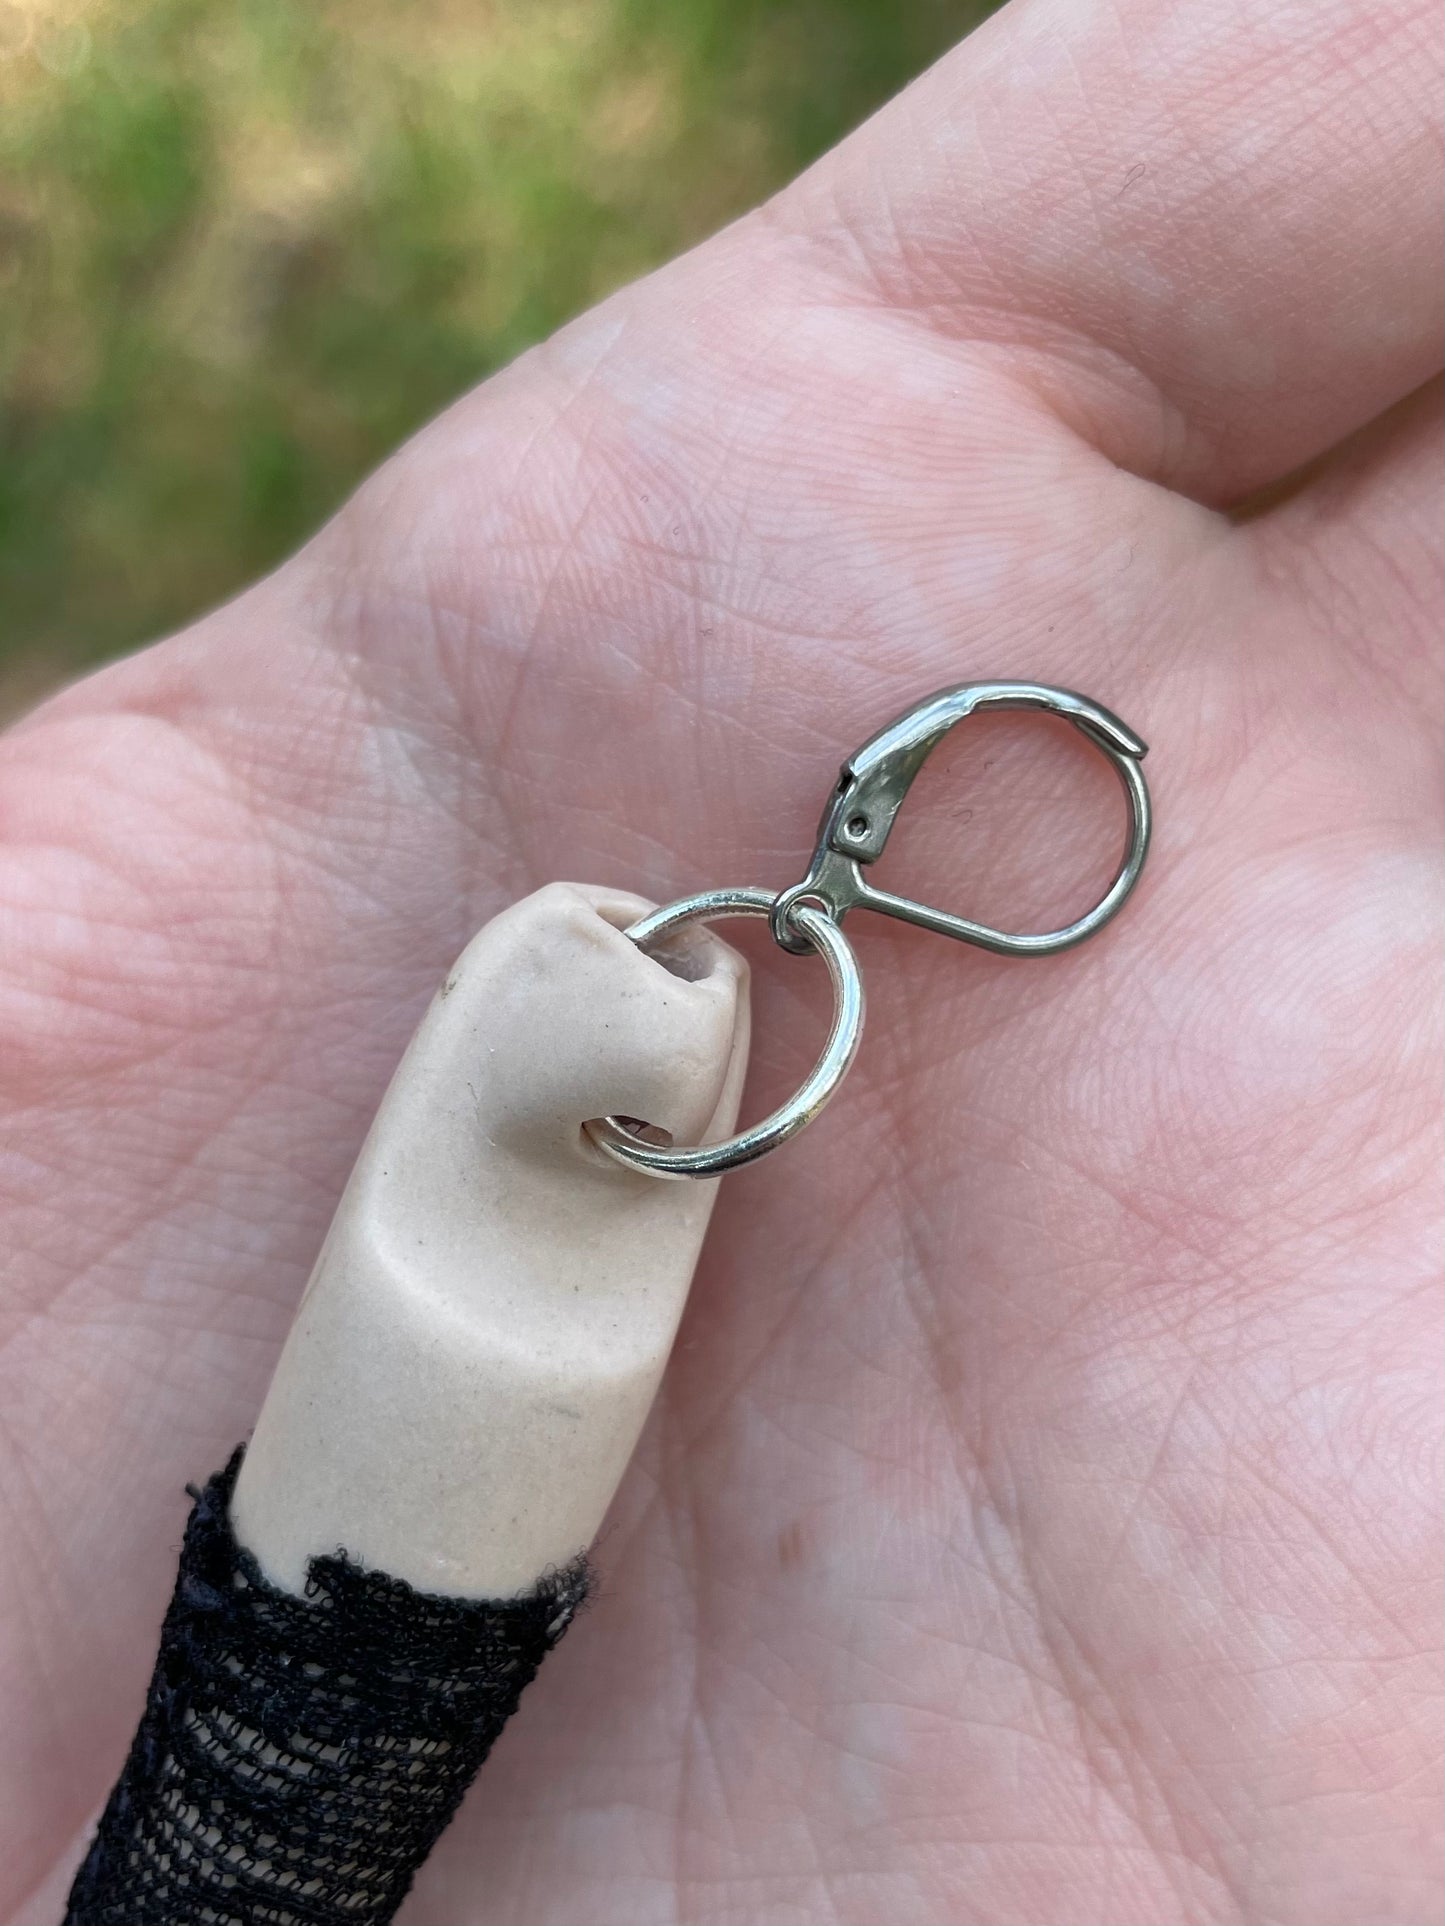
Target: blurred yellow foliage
{"x": 247, "y": 245}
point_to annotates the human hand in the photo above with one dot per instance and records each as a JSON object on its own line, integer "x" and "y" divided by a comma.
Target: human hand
{"x": 1039, "y": 1519}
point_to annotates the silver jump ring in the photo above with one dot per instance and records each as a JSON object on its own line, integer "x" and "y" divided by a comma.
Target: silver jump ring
{"x": 711, "y": 1160}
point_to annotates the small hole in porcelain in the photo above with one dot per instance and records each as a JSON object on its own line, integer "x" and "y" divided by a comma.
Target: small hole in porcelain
{"x": 637, "y": 1127}
{"x": 647, "y": 1133}
{"x": 689, "y": 953}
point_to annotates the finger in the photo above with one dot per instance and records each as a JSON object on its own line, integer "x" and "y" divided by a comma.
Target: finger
{"x": 1209, "y": 233}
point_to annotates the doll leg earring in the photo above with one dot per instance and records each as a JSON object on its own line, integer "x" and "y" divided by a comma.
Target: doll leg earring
{"x": 363, "y": 1594}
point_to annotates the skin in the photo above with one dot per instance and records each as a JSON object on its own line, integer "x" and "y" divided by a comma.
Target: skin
{"x": 1040, "y": 1519}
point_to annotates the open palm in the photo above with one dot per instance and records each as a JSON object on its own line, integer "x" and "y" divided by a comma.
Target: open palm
{"x": 1038, "y": 1523}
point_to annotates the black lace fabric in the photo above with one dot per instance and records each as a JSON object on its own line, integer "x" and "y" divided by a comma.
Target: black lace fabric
{"x": 298, "y": 1758}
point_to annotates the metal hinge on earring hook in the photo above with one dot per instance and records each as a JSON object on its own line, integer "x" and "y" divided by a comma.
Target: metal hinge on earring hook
{"x": 808, "y": 914}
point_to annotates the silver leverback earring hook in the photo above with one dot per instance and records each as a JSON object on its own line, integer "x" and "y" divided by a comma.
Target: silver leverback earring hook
{"x": 876, "y": 778}
{"x": 808, "y": 915}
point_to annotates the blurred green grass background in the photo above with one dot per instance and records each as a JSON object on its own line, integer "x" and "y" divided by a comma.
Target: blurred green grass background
{"x": 247, "y": 245}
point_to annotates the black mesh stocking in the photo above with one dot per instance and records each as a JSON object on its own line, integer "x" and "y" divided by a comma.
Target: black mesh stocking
{"x": 298, "y": 1758}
